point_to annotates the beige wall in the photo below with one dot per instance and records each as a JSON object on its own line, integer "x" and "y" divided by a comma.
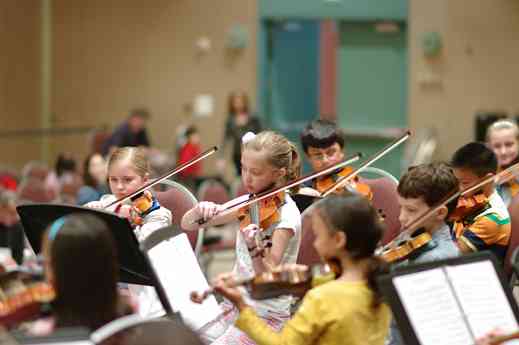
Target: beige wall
{"x": 113, "y": 55}
{"x": 478, "y": 69}
{"x": 19, "y": 79}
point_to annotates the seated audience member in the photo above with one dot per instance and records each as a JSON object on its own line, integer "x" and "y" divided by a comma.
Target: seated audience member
{"x": 132, "y": 132}
{"x": 94, "y": 179}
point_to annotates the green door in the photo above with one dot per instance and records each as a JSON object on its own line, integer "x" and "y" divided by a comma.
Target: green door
{"x": 372, "y": 89}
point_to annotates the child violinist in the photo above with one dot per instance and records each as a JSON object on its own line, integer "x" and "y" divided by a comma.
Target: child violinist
{"x": 347, "y": 310}
{"x": 421, "y": 188}
{"x": 481, "y": 220}
{"x": 323, "y": 144}
{"x": 81, "y": 266}
{"x": 128, "y": 170}
{"x": 268, "y": 160}
{"x": 503, "y": 139}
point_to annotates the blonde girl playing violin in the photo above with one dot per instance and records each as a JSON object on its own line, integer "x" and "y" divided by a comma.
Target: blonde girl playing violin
{"x": 347, "y": 310}
{"x": 128, "y": 170}
{"x": 268, "y": 160}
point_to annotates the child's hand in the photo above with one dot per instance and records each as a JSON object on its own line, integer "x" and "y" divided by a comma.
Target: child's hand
{"x": 489, "y": 338}
{"x": 207, "y": 210}
{"x": 249, "y": 234}
{"x": 124, "y": 211}
{"x": 95, "y": 204}
{"x": 223, "y": 284}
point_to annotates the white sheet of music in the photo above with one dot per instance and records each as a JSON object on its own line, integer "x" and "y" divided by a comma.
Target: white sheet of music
{"x": 180, "y": 274}
{"x": 482, "y": 297}
{"x": 432, "y": 308}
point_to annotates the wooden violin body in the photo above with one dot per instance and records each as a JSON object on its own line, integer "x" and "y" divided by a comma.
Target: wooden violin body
{"x": 268, "y": 212}
{"x": 294, "y": 280}
{"x": 405, "y": 248}
{"x": 22, "y": 296}
{"x": 141, "y": 204}
{"x": 354, "y": 185}
{"x": 468, "y": 205}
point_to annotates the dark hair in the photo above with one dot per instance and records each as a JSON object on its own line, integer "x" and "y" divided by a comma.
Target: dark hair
{"x": 85, "y": 267}
{"x": 476, "y": 157}
{"x": 321, "y": 134}
{"x": 88, "y": 179}
{"x": 65, "y": 163}
{"x": 432, "y": 182}
{"x": 354, "y": 215}
{"x": 141, "y": 112}
{"x": 191, "y": 130}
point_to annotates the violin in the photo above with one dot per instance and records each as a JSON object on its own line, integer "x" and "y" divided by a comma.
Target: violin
{"x": 354, "y": 185}
{"x": 240, "y": 202}
{"x": 347, "y": 179}
{"x": 142, "y": 204}
{"x": 468, "y": 205}
{"x": 268, "y": 212}
{"x": 294, "y": 280}
{"x": 24, "y": 295}
{"x": 410, "y": 239}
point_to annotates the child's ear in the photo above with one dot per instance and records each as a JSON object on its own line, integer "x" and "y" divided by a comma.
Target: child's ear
{"x": 442, "y": 213}
{"x": 340, "y": 239}
{"x": 146, "y": 177}
{"x": 282, "y": 172}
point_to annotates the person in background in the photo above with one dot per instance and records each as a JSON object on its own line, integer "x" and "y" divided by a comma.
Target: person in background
{"x": 131, "y": 132}
{"x": 503, "y": 139}
{"x": 239, "y": 121}
{"x": 11, "y": 230}
{"x": 188, "y": 177}
{"x": 94, "y": 179}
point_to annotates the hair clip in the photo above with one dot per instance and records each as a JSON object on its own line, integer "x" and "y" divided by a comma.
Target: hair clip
{"x": 247, "y": 137}
{"x": 55, "y": 227}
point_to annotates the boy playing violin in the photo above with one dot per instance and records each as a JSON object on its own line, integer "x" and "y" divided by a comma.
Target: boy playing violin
{"x": 486, "y": 226}
{"x": 323, "y": 144}
{"x": 421, "y": 188}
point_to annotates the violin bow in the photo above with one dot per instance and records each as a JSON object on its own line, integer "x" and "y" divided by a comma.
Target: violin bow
{"x": 165, "y": 176}
{"x": 264, "y": 195}
{"x": 497, "y": 178}
{"x": 343, "y": 180}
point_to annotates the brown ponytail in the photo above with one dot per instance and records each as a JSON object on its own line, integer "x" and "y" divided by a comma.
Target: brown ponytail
{"x": 376, "y": 267}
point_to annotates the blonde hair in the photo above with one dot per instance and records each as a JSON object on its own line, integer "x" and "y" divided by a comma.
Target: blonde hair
{"x": 502, "y": 124}
{"x": 136, "y": 156}
{"x": 279, "y": 151}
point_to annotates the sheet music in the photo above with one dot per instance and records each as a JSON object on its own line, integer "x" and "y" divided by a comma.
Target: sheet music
{"x": 482, "y": 297}
{"x": 432, "y": 308}
{"x": 180, "y": 274}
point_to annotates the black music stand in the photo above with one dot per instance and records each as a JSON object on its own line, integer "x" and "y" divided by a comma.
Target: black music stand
{"x": 304, "y": 201}
{"x": 134, "y": 268}
{"x": 394, "y": 297}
